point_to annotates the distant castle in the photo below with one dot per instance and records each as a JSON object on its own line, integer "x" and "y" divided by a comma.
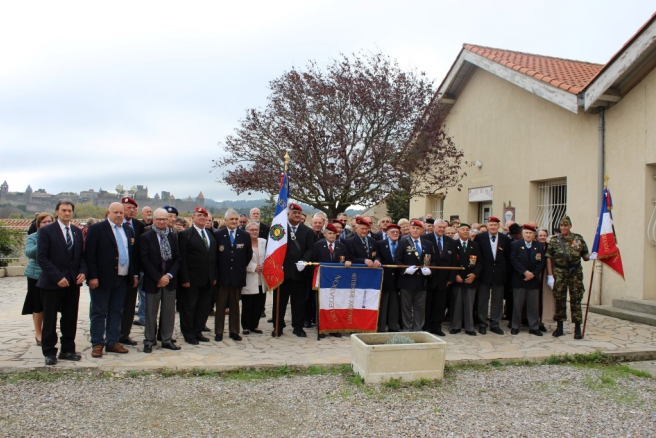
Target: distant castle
{"x": 43, "y": 201}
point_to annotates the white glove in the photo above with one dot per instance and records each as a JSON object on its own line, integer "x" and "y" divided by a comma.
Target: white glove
{"x": 550, "y": 281}
{"x": 411, "y": 270}
{"x": 300, "y": 265}
{"x": 593, "y": 256}
{"x": 425, "y": 271}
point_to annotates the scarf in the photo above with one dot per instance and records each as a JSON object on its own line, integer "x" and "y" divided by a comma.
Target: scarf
{"x": 164, "y": 242}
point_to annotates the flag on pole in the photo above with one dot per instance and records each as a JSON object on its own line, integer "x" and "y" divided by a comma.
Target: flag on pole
{"x": 605, "y": 247}
{"x": 348, "y": 298}
{"x": 277, "y": 242}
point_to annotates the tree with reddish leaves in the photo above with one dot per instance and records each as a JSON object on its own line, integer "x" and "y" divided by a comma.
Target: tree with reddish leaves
{"x": 356, "y": 131}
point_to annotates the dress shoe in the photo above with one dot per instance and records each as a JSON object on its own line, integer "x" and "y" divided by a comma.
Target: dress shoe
{"x": 116, "y": 348}
{"x": 206, "y": 329}
{"x": 482, "y": 330}
{"x": 170, "y": 346}
{"x": 336, "y": 335}
{"x": 300, "y": 333}
{"x": 454, "y": 331}
{"x": 322, "y": 335}
{"x": 470, "y": 333}
{"x": 273, "y": 334}
{"x": 148, "y": 348}
{"x": 514, "y": 331}
{"x": 307, "y": 324}
{"x": 235, "y": 337}
{"x": 542, "y": 328}
{"x": 496, "y": 330}
{"x": 246, "y": 332}
{"x": 97, "y": 350}
{"x": 51, "y": 360}
{"x": 137, "y": 322}
{"x": 192, "y": 341}
{"x": 202, "y": 338}
{"x": 70, "y": 356}
{"x": 439, "y": 333}
{"x": 127, "y": 341}
{"x": 218, "y": 338}
{"x": 258, "y": 331}
{"x": 270, "y": 321}
{"x": 535, "y": 332}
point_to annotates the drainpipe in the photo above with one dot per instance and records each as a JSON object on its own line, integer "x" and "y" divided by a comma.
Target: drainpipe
{"x": 600, "y": 186}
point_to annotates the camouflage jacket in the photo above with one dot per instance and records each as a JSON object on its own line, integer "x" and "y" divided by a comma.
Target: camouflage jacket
{"x": 574, "y": 245}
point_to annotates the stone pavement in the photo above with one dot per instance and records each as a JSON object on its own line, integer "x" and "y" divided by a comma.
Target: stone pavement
{"x": 18, "y": 350}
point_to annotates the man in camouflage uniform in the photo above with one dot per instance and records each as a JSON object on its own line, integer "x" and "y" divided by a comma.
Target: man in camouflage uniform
{"x": 565, "y": 271}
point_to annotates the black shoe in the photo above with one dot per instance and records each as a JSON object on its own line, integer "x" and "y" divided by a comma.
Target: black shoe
{"x": 270, "y": 320}
{"x": 148, "y": 348}
{"x": 51, "y": 360}
{"x": 497, "y": 330}
{"x": 482, "y": 330}
{"x": 336, "y": 335}
{"x": 206, "y": 329}
{"x": 559, "y": 330}
{"x": 263, "y": 315}
{"x": 439, "y": 333}
{"x": 127, "y": 341}
{"x": 454, "y": 331}
{"x": 470, "y": 333}
{"x": 535, "y": 332}
{"x": 322, "y": 335}
{"x": 170, "y": 346}
{"x": 235, "y": 337}
{"x": 192, "y": 341}
{"x": 218, "y": 338}
{"x": 137, "y": 322}
{"x": 577, "y": 331}
{"x": 307, "y": 324}
{"x": 70, "y": 356}
{"x": 300, "y": 333}
{"x": 202, "y": 338}
{"x": 514, "y": 331}
{"x": 273, "y": 333}
{"x": 542, "y": 328}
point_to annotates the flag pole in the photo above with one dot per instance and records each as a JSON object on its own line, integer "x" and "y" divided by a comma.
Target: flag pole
{"x": 277, "y": 321}
{"x": 587, "y": 306}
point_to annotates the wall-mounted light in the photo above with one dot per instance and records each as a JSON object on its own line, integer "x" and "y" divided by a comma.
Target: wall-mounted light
{"x": 479, "y": 164}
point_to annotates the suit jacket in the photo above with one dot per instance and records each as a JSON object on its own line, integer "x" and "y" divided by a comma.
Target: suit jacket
{"x": 406, "y": 254}
{"x": 151, "y": 261}
{"x": 298, "y": 249}
{"x": 101, "y": 253}
{"x": 384, "y": 256}
{"x": 378, "y": 235}
{"x": 448, "y": 258}
{"x": 347, "y": 235}
{"x": 233, "y": 259}
{"x": 264, "y": 231}
{"x": 524, "y": 259}
{"x": 357, "y": 251}
{"x": 198, "y": 264}
{"x": 494, "y": 268}
{"x": 54, "y": 259}
{"x": 321, "y": 253}
{"x": 138, "y": 229}
{"x": 471, "y": 261}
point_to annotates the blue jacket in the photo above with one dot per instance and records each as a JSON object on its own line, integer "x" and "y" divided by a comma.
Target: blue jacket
{"x": 32, "y": 270}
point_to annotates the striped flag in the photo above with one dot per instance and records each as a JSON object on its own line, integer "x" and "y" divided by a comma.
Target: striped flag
{"x": 605, "y": 247}
{"x": 277, "y": 243}
{"x": 348, "y": 298}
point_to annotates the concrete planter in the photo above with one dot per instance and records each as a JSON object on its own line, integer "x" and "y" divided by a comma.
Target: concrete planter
{"x": 15, "y": 271}
{"x": 2, "y": 272}
{"x": 376, "y": 362}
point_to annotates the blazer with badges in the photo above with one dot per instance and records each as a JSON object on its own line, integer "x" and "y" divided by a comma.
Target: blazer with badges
{"x": 299, "y": 248}
{"x": 384, "y": 256}
{"x": 234, "y": 258}
{"x": 439, "y": 278}
{"x": 54, "y": 259}
{"x": 494, "y": 268}
{"x": 198, "y": 264}
{"x": 102, "y": 254}
{"x": 321, "y": 253}
{"x": 151, "y": 261}
{"x": 407, "y": 254}
{"x": 471, "y": 261}
{"x": 358, "y": 251}
{"x": 526, "y": 259}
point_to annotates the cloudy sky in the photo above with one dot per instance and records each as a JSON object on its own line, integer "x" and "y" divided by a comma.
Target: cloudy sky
{"x": 96, "y": 94}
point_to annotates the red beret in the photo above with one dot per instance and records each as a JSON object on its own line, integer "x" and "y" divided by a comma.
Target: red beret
{"x": 417, "y": 223}
{"x": 128, "y": 200}
{"x": 529, "y": 227}
{"x": 296, "y": 207}
{"x": 362, "y": 221}
{"x": 332, "y": 228}
{"x": 493, "y": 219}
{"x": 393, "y": 227}
{"x": 336, "y": 221}
{"x": 201, "y": 210}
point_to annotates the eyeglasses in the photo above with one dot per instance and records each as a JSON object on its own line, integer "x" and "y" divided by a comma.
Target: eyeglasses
{"x": 161, "y": 219}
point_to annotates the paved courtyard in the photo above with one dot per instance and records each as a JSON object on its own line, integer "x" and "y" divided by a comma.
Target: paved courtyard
{"x": 18, "y": 350}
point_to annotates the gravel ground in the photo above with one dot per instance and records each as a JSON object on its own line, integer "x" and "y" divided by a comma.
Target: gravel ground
{"x": 507, "y": 401}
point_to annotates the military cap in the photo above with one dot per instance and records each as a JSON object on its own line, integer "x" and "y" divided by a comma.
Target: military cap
{"x": 128, "y": 200}
{"x": 463, "y": 224}
{"x": 393, "y": 227}
{"x": 170, "y": 209}
{"x": 417, "y": 223}
{"x": 333, "y": 228}
{"x": 515, "y": 228}
{"x": 430, "y": 221}
{"x": 201, "y": 210}
{"x": 362, "y": 221}
{"x": 565, "y": 220}
{"x": 493, "y": 219}
{"x": 529, "y": 227}
{"x": 294, "y": 206}
{"x": 336, "y": 221}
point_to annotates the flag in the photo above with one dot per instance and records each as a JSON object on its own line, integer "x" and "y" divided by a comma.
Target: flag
{"x": 605, "y": 247}
{"x": 277, "y": 243}
{"x": 348, "y": 298}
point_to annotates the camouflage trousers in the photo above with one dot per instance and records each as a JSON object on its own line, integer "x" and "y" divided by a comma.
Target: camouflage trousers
{"x": 573, "y": 282}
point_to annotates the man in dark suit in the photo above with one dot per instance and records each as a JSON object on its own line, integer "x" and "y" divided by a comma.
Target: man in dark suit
{"x": 361, "y": 247}
{"x": 439, "y": 284}
{"x": 468, "y": 256}
{"x": 110, "y": 258}
{"x": 299, "y": 249}
{"x": 234, "y": 254}
{"x": 160, "y": 262}
{"x": 527, "y": 262}
{"x": 60, "y": 256}
{"x": 388, "y": 311}
{"x": 255, "y": 216}
{"x": 197, "y": 276}
{"x": 417, "y": 253}
{"x": 346, "y": 232}
{"x": 495, "y": 252}
{"x": 127, "y": 319}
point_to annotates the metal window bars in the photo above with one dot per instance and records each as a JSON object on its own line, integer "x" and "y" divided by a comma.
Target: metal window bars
{"x": 552, "y": 203}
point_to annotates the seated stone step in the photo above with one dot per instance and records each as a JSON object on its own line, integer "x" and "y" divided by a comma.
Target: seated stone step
{"x": 642, "y": 306}
{"x": 627, "y": 315}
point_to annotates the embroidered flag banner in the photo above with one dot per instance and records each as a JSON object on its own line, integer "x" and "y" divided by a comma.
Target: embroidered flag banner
{"x": 348, "y": 298}
{"x": 605, "y": 247}
{"x": 277, "y": 242}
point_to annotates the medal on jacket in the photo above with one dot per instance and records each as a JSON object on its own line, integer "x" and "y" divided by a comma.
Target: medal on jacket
{"x": 472, "y": 260}
{"x": 538, "y": 257}
{"x": 427, "y": 259}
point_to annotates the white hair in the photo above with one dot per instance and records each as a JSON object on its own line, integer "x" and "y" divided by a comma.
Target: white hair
{"x": 230, "y": 212}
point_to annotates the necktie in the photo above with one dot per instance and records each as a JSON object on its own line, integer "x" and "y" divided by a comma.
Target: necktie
{"x": 129, "y": 224}
{"x": 69, "y": 241}
{"x": 494, "y": 238}
{"x": 365, "y": 241}
{"x": 330, "y": 247}
{"x": 464, "y": 245}
{"x": 232, "y": 237}
{"x": 207, "y": 244}
{"x": 122, "y": 253}
{"x": 439, "y": 245}
{"x": 393, "y": 248}
{"x": 418, "y": 246}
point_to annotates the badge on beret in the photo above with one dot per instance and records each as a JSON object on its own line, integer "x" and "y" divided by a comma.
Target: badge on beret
{"x": 170, "y": 210}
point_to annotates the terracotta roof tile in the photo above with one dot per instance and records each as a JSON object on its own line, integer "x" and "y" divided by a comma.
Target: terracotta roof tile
{"x": 567, "y": 74}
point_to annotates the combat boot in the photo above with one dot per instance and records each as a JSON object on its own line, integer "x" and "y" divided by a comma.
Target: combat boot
{"x": 577, "y": 331}
{"x": 559, "y": 330}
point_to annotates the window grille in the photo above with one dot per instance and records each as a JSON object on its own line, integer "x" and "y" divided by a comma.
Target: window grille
{"x": 552, "y": 203}
{"x": 435, "y": 205}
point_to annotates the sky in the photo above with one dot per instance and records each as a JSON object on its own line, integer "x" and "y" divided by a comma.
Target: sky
{"x": 96, "y": 94}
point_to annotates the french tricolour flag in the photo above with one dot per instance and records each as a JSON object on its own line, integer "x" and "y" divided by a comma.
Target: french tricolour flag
{"x": 605, "y": 247}
{"x": 277, "y": 243}
{"x": 348, "y": 298}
